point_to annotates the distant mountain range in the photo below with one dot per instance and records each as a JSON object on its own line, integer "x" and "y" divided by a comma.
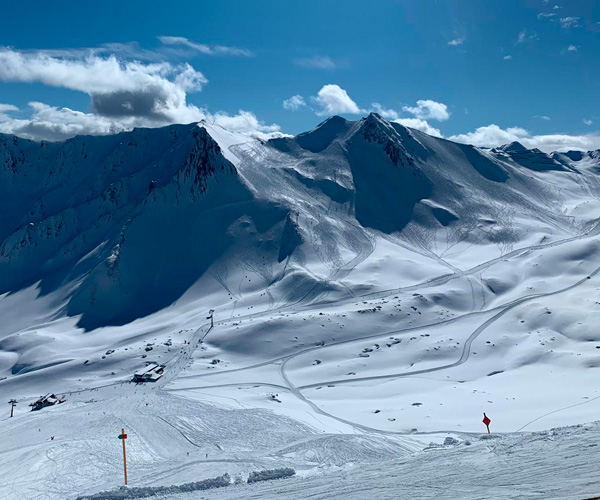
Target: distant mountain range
{"x": 122, "y": 226}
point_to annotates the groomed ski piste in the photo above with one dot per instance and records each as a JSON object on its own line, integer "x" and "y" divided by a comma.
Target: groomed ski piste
{"x": 375, "y": 291}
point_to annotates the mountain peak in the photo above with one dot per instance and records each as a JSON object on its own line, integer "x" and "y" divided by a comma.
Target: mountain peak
{"x": 513, "y": 147}
{"x": 376, "y": 118}
{"x": 323, "y": 134}
{"x": 374, "y": 127}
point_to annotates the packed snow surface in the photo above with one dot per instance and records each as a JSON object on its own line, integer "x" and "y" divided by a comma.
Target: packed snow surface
{"x": 375, "y": 291}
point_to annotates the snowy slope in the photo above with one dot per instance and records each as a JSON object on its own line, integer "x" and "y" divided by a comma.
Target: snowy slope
{"x": 374, "y": 288}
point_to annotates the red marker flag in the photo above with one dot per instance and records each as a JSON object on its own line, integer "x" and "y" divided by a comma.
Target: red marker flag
{"x": 487, "y": 422}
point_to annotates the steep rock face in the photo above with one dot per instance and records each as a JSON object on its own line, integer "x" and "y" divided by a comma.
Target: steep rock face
{"x": 141, "y": 216}
{"x": 377, "y": 158}
{"x": 68, "y": 200}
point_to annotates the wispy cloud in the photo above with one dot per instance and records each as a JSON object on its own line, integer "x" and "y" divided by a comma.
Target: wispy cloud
{"x": 202, "y": 48}
{"x": 507, "y": 58}
{"x": 4, "y": 109}
{"x": 387, "y": 113}
{"x": 525, "y": 36}
{"x": 571, "y": 48}
{"x": 569, "y": 22}
{"x": 316, "y": 62}
{"x": 170, "y": 48}
{"x": 545, "y": 15}
{"x": 542, "y": 117}
{"x": 587, "y": 121}
{"x": 7, "y": 107}
{"x": 457, "y": 41}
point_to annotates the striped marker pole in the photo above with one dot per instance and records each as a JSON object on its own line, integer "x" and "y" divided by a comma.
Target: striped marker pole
{"x": 123, "y": 437}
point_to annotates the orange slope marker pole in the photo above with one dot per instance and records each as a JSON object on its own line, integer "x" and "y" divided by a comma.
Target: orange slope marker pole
{"x": 123, "y": 437}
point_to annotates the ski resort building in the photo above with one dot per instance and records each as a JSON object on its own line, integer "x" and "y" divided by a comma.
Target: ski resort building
{"x": 47, "y": 400}
{"x": 150, "y": 373}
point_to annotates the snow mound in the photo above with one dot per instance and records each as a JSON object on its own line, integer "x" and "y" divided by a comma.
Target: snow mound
{"x": 124, "y": 493}
{"x": 269, "y": 475}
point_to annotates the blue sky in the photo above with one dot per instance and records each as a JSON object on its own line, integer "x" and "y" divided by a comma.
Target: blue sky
{"x": 483, "y": 72}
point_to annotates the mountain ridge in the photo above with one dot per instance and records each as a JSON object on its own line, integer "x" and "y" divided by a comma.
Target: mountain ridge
{"x": 352, "y": 177}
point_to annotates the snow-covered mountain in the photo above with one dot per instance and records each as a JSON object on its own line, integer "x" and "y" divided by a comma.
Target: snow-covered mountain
{"x": 375, "y": 278}
{"x": 137, "y": 218}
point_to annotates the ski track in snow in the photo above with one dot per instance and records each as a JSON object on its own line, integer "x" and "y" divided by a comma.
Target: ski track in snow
{"x": 502, "y": 310}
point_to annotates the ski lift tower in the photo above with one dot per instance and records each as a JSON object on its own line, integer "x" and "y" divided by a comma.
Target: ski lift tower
{"x": 12, "y": 403}
{"x": 210, "y": 316}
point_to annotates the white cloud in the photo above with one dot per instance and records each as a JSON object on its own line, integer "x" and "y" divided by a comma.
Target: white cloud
{"x": 556, "y": 7}
{"x": 6, "y": 108}
{"x": 457, "y": 41}
{"x": 209, "y": 50}
{"x": 424, "y": 109}
{"x": 116, "y": 88}
{"x": 53, "y": 124}
{"x": 587, "y": 121}
{"x": 124, "y": 94}
{"x": 563, "y": 142}
{"x": 92, "y": 74}
{"x": 294, "y": 103}
{"x": 493, "y": 135}
{"x": 569, "y": 22}
{"x": 525, "y": 36}
{"x": 542, "y": 117}
{"x": 388, "y": 114}
{"x": 507, "y": 58}
{"x": 315, "y": 62}
{"x": 245, "y": 122}
{"x": 56, "y": 124}
{"x": 332, "y": 99}
{"x": 572, "y": 48}
{"x": 428, "y": 109}
{"x": 543, "y": 15}
{"x": 419, "y": 124}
